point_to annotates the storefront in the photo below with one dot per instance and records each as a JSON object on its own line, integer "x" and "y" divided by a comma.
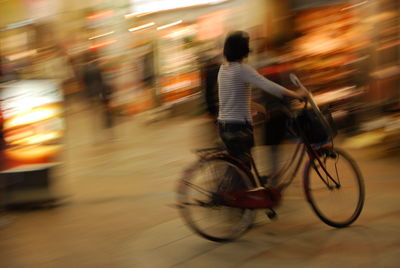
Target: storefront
{"x": 166, "y": 48}
{"x": 348, "y": 54}
{"x": 385, "y": 29}
{"x": 178, "y": 63}
{"x": 31, "y": 108}
{"x": 17, "y": 48}
{"x": 180, "y": 36}
{"x": 32, "y": 132}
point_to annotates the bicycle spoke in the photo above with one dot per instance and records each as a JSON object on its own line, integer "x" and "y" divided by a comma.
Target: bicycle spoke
{"x": 198, "y": 188}
{"x": 326, "y": 181}
{"x": 329, "y": 177}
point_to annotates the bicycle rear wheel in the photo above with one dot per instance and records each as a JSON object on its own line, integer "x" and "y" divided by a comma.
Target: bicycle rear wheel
{"x": 334, "y": 187}
{"x": 199, "y": 197}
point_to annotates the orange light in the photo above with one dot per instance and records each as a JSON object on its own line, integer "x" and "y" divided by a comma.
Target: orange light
{"x": 141, "y": 27}
{"x": 101, "y": 14}
{"x": 103, "y": 44}
{"x": 169, "y": 25}
{"x": 101, "y": 35}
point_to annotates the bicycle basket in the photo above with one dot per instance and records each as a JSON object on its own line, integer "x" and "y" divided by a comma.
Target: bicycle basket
{"x": 309, "y": 126}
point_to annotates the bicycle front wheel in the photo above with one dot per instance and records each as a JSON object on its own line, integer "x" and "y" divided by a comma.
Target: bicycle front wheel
{"x": 334, "y": 187}
{"x": 200, "y": 204}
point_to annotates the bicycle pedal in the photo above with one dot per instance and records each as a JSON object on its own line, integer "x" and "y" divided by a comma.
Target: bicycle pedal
{"x": 271, "y": 214}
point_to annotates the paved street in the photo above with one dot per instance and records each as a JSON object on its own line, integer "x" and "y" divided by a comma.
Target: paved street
{"x": 119, "y": 209}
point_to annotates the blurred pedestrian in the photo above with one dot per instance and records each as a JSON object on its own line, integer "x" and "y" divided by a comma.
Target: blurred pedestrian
{"x": 210, "y": 68}
{"x": 210, "y": 63}
{"x": 97, "y": 91}
{"x": 275, "y": 128}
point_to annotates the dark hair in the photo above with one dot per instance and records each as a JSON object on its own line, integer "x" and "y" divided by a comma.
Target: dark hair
{"x": 236, "y": 46}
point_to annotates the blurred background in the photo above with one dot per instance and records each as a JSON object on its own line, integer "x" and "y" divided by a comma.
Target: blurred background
{"x": 107, "y": 98}
{"x": 153, "y": 54}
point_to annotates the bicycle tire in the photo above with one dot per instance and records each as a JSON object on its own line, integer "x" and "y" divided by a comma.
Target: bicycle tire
{"x": 312, "y": 196}
{"x": 240, "y": 224}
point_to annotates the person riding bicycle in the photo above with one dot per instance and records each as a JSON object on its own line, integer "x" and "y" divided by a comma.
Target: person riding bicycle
{"x": 234, "y": 78}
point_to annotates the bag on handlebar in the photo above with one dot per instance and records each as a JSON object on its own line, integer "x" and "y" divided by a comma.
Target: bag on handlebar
{"x": 310, "y": 127}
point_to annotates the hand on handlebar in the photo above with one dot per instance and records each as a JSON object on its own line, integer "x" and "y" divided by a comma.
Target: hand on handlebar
{"x": 302, "y": 94}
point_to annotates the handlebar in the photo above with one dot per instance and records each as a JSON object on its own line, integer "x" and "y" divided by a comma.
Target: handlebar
{"x": 310, "y": 99}
{"x": 295, "y": 80}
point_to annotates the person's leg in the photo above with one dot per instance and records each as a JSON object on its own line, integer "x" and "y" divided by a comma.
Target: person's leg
{"x": 238, "y": 139}
{"x": 274, "y": 153}
{"x": 275, "y": 132}
{"x": 274, "y": 160}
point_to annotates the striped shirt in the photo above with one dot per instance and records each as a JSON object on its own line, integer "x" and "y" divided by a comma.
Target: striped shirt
{"x": 234, "y": 92}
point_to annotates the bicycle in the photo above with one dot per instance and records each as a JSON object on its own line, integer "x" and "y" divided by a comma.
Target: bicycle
{"x": 231, "y": 192}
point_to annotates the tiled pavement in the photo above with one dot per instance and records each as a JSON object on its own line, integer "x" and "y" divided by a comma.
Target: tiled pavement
{"x": 119, "y": 210}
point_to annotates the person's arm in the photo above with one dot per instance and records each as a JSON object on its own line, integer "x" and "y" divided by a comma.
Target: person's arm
{"x": 251, "y": 76}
